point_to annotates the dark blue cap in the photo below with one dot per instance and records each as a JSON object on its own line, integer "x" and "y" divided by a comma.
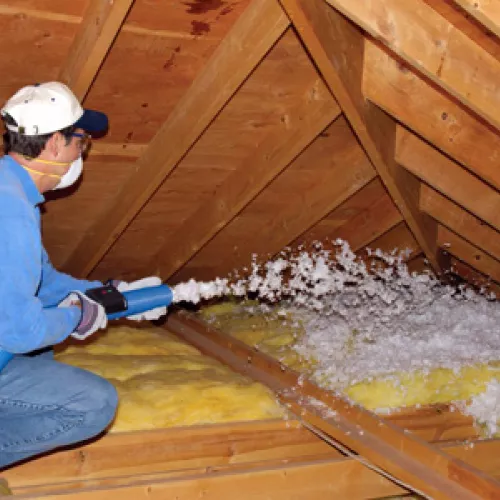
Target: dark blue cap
{"x": 92, "y": 121}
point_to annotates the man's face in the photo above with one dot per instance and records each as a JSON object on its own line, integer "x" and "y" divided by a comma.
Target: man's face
{"x": 71, "y": 151}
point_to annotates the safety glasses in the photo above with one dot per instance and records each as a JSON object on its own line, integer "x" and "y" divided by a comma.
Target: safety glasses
{"x": 84, "y": 142}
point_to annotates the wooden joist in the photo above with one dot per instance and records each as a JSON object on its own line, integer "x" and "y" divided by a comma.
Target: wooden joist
{"x": 431, "y": 44}
{"x": 406, "y": 457}
{"x": 92, "y": 42}
{"x": 337, "y": 47}
{"x": 255, "y": 32}
{"x": 302, "y": 477}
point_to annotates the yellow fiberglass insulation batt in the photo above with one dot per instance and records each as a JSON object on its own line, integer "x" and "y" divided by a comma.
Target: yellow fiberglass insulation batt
{"x": 163, "y": 382}
{"x": 277, "y": 333}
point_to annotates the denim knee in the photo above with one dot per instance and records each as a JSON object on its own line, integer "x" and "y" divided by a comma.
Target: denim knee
{"x": 98, "y": 404}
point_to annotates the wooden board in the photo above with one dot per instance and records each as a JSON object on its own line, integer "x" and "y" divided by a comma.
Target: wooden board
{"x": 407, "y": 458}
{"x": 253, "y": 35}
{"x": 329, "y": 37}
{"x": 331, "y": 169}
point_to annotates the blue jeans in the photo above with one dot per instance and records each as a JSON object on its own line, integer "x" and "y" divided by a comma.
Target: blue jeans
{"x": 45, "y": 404}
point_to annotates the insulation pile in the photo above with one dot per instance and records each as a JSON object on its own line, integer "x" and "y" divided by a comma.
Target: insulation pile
{"x": 163, "y": 382}
{"x": 385, "y": 338}
{"x": 380, "y": 335}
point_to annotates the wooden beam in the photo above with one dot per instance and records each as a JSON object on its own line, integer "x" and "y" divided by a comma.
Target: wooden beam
{"x": 469, "y": 253}
{"x": 448, "y": 177}
{"x": 487, "y": 12}
{"x": 443, "y": 53}
{"x": 253, "y": 34}
{"x": 337, "y": 47}
{"x": 406, "y": 457}
{"x": 460, "y": 221}
{"x": 103, "y": 148}
{"x": 431, "y": 114}
{"x": 325, "y": 174}
{"x": 301, "y": 125}
{"x": 170, "y": 450}
{"x": 98, "y": 30}
{"x": 314, "y": 478}
{"x": 180, "y": 451}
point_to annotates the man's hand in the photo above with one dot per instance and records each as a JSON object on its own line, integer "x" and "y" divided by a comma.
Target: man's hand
{"x": 93, "y": 314}
{"x": 123, "y": 286}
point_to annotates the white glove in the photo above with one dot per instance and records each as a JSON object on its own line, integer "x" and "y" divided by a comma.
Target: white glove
{"x": 93, "y": 314}
{"x": 150, "y": 281}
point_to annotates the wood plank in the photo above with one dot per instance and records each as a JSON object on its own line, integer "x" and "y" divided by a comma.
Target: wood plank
{"x": 406, "y": 457}
{"x": 338, "y": 50}
{"x": 397, "y": 239}
{"x": 341, "y": 215}
{"x": 258, "y": 28}
{"x": 431, "y": 114}
{"x": 371, "y": 223}
{"x": 487, "y": 12}
{"x": 351, "y": 479}
{"x": 301, "y": 125}
{"x": 303, "y": 481}
{"x": 181, "y": 450}
{"x": 469, "y": 253}
{"x": 174, "y": 449}
{"x": 448, "y": 177}
{"x": 474, "y": 277}
{"x": 95, "y": 36}
{"x": 443, "y": 53}
{"x": 324, "y": 175}
{"x": 103, "y": 148}
{"x": 459, "y": 221}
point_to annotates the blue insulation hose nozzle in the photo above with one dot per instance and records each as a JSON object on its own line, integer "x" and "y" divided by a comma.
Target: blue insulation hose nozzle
{"x": 136, "y": 302}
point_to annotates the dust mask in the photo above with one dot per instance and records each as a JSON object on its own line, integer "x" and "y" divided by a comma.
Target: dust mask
{"x": 72, "y": 175}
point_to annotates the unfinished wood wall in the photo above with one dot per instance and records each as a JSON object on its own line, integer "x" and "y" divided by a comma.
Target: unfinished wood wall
{"x": 244, "y": 126}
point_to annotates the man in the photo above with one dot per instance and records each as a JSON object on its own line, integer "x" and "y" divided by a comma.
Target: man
{"x": 45, "y": 404}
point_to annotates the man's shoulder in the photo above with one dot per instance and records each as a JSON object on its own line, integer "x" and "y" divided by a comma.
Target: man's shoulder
{"x": 13, "y": 198}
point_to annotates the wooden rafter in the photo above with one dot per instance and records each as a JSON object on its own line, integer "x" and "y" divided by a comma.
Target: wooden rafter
{"x": 98, "y": 30}
{"x": 443, "y": 53}
{"x": 431, "y": 113}
{"x": 337, "y": 48}
{"x": 340, "y": 169}
{"x": 448, "y": 177}
{"x": 301, "y": 126}
{"x": 406, "y": 457}
{"x": 487, "y": 12}
{"x": 254, "y": 33}
{"x": 460, "y": 221}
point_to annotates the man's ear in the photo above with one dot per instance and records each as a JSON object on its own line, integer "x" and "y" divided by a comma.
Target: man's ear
{"x": 54, "y": 144}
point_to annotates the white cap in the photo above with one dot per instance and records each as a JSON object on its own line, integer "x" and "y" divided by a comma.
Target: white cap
{"x": 48, "y": 107}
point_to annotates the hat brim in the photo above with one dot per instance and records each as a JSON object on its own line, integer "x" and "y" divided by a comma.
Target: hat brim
{"x": 92, "y": 121}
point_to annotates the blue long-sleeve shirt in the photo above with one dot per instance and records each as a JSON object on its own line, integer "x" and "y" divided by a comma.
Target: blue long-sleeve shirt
{"x": 30, "y": 287}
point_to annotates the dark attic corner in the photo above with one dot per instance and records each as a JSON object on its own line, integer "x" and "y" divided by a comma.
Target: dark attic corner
{"x": 250, "y": 249}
